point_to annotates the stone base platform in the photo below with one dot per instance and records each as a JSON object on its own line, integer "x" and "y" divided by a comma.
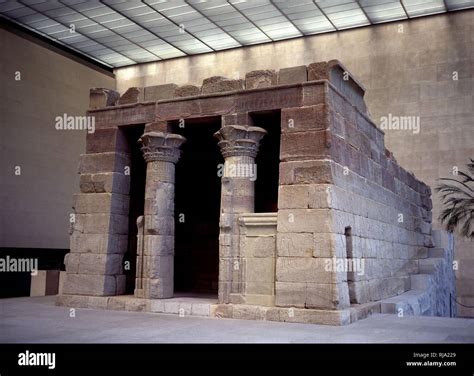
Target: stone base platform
{"x": 205, "y": 306}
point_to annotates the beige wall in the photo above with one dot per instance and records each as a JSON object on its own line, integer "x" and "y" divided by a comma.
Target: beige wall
{"x": 35, "y": 206}
{"x": 405, "y": 73}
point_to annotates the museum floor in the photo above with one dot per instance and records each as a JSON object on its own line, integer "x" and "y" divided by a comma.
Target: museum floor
{"x": 38, "y": 320}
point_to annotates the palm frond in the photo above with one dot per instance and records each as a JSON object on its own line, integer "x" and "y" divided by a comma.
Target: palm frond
{"x": 457, "y": 196}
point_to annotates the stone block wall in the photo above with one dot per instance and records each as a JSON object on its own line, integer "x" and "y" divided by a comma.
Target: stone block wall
{"x": 343, "y": 196}
{"x": 99, "y": 225}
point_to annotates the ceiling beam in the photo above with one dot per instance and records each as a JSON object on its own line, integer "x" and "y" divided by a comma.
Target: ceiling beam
{"x": 113, "y": 31}
{"x": 325, "y": 15}
{"x": 178, "y": 26}
{"x": 249, "y": 20}
{"x": 288, "y": 18}
{"x": 363, "y": 11}
{"x": 143, "y": 27}
{"x": 211, "y": 21}
{"x": 404, "y": 9}
{"x": 445, "y": 6}
{"x": 68, "y": 27}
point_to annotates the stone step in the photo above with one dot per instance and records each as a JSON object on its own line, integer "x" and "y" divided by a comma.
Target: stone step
{"x": 440, "y": 238}
{"x": 180, "y": 307}
{"x": 436, "y": 252}
{"x": 413, "y": 302}
{"x": 420, "y": 281}
{"x": 429, "y": 265}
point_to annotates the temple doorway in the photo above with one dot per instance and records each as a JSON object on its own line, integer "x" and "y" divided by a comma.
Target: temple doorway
{"x": 197, "y": 208}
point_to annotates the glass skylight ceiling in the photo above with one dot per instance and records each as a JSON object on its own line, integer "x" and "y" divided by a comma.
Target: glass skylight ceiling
{"x": 120, "y": 33}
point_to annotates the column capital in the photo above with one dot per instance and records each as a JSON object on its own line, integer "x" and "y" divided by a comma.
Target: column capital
{"x": 160, "y": 146}
{"x": 238, "y": 140}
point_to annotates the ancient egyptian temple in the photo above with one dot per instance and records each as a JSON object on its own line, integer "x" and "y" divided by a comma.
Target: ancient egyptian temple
{"x": 271, "y": 197}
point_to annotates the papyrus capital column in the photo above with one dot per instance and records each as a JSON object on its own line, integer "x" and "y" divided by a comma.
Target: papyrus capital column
{"x": 239, "y": 147}
{"x": 155, "y": 254}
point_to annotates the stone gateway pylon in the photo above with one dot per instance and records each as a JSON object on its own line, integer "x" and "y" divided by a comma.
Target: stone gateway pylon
{"x": 350, "y": 235}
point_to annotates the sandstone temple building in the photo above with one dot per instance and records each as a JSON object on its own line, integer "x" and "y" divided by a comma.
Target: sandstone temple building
{"x": 270, "y": 198}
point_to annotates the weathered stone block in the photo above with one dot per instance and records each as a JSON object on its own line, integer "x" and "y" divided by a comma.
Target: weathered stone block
{"x": 198, "y": 309}
{"x": 260, "y": 78}
{"x": 245, "y": 312}
{"x": 135, "y": 305}
{"x": 316, "y": 270}
{"x": 187, "y": 91}
{"x": 103, "y": 162}
{"x": 259, "y": 246}
{"x": 327, "y": 296}
{"x": 218, "y": 84}
{"x": 316, "y": 316}
{"x": 116, "y": 303}
{"x": 159, "y": 92}
{"x": 100, "y": 98}
{"x": 359, "y": 292}
{"x": 71, "y": 261}
{"x": 75, "y": 301}
{"x": 293, "y": 196}
{"x": 101, "y": 203}
{"x": 305, "y": 145}
{"x": 329, "y": 245}
{"x": 305, "y": 220}
{"x": 157, "y": 306}
{"x": 306, "y": 172}
{"x": 107, "y": 140}
{"x": 259, "y": 288}
{"x": 222, "y": 310}
{"x": 107, "y": 182}
{"x": 98, "y": 243}
{"x": 290, "y": 294}
{"x": 318, "y": 71}
{"x": 98, "y": 285}
{"x": 283, "y": 98}
{"x": 172, "y": 307}
{"x": 301, "y": 119}
{"x": 100, "y": 224}
{"x": 292, "y": 75}
{"x": 132, "y": 95}
{"x": 101, "y": 264}
{"x": 295, "y": 245}
{"x": 259, "y": 269}
{"x": 159, "y": 288}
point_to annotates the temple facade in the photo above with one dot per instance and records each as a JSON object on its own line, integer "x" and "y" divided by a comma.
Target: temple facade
{"x": 271, "y": 197}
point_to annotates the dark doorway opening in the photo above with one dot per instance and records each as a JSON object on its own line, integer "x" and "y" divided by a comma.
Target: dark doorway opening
{"x": 197, "y": 207}
{"x": 268, "y": 161}
{"x": 137, "y": 200}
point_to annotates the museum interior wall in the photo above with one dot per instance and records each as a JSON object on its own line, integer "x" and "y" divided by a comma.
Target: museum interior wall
{"x": 36, "y": 204}
{"x": 422, "y": 68}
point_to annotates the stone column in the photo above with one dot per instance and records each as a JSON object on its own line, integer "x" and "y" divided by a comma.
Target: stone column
{"x": 155, "y": 259}
{"x": 239, "y": 147}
